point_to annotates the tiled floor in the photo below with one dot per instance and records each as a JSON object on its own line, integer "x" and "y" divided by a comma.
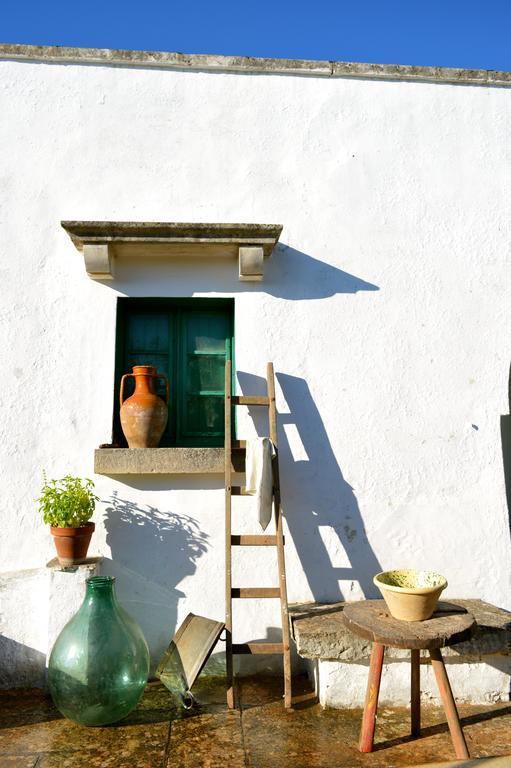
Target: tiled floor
{"x": 259, "y": 735}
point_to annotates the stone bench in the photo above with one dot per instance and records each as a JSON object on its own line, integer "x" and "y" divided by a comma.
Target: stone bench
{"x": 479, "y": 669}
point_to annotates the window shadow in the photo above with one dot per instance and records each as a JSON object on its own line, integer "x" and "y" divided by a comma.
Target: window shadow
{"x": 152, "y": 551}
{"x": 289, "y": 274}
{"x": 315, "y": 496}
{"x": 294, "y": 275}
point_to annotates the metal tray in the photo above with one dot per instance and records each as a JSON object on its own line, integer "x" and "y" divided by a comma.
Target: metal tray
{"x": 187, "y": 654}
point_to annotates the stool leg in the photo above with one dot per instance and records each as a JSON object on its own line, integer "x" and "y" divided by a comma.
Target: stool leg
{"x": 371, "y": 703}
{"x": 453, "y": 720}
{"x": 416, "y": 693}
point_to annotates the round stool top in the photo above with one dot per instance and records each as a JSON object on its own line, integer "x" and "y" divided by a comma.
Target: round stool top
{"x": 449, "y": 624}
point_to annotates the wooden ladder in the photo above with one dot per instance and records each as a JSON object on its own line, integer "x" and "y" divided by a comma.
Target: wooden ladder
{"x": 254, "y": 541}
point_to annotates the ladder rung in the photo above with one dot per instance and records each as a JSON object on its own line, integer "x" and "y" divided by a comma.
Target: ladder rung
{"x": 254, "y": 541}
{"x": 250, "y": 400}
{"x": 239, "y": 490}
{"x": 259, "y": 648}
{"x": 248, "y": 592}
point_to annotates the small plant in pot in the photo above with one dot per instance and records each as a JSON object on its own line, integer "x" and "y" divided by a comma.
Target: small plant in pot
{"x": 67, "y": 505}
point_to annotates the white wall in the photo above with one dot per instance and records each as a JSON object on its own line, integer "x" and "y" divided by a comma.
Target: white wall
{"x": 386, "y": 310}
{"x": 483, "y": 682}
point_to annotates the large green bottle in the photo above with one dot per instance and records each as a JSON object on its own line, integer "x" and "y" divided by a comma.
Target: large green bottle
{"x": 100, "y": 661}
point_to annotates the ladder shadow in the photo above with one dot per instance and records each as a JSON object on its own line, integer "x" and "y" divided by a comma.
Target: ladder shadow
{"x": 317, "y": 499}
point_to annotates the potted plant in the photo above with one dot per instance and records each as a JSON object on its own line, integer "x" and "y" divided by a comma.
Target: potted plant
{"x": 67, "y": 506}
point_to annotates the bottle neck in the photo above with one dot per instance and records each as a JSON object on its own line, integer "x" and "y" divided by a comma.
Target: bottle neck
{"x": 100, "y": 588}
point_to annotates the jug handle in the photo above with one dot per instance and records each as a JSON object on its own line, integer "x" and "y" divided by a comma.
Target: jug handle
{"x": 121, "y": 389}
{"x": 162, "y": 376}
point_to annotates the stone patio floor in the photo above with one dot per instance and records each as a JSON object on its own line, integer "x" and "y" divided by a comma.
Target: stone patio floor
{"x": 259, "y": 735}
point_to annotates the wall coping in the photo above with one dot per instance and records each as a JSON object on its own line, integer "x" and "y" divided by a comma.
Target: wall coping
{"x": 251, "y": 65}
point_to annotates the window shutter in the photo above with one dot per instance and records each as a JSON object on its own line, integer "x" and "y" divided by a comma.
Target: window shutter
{"x": 189, "y": 341}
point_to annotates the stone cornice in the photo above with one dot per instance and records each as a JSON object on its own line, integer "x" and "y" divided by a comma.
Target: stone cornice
{"x": 248, "y": 64}
{"x": 102, "y": 241}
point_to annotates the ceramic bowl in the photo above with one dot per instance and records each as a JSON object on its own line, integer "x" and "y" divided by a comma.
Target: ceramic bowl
{"x": 410, "y": 595}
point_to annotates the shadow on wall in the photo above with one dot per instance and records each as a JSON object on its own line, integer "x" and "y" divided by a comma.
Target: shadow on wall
{"x": 294, "y": 275}
{"x": 289, "y": 274}
{"x": 152, "y": 551}
{"x": 505, "y": 434}
{"x": 316, "y": 498}
{"x": 20, "y": 665}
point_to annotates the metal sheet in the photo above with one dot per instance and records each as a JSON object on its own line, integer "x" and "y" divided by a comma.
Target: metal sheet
{"x": 187, "y": 654}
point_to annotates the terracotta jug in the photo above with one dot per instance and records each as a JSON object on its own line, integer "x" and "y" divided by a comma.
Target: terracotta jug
{"x": 144, "y": 414}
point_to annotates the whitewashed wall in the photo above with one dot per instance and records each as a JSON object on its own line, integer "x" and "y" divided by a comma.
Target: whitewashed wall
{"x": 386, "y": 310}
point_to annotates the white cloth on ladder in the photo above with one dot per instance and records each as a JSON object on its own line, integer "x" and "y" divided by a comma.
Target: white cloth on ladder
{"x": 259, "y": 480}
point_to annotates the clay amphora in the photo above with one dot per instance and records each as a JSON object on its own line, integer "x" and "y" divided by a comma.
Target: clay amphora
{"x": 144, "y": 414}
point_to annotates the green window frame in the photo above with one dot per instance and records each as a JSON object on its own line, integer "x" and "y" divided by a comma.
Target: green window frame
{"x": 189, "y": 341}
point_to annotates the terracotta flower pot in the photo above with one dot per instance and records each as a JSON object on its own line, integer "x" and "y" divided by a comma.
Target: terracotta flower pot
{"x": 72, "y": 543}
{"x": 410, "y": 595}
{"x": 144, "y": 414}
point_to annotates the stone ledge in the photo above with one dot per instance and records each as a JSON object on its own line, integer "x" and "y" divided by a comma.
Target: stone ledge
{"x": 250, "y": 64}
{"x": 320, "y": 633}
{"x": 164, "y": 461}
{"x": 101, "y": 242}
{"x": 36, "y": 604}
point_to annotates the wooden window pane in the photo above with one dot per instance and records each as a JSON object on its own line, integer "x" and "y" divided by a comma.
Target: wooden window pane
{"x": 206, "y": 332}
{"x": 204, "y": 416}
{"x": 206, "y": 344}
{"x": 148, "y": 333}
{"x": 205, "y": 374}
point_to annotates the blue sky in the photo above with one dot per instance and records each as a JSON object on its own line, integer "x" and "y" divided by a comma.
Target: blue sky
{"x": 437, "y": 32}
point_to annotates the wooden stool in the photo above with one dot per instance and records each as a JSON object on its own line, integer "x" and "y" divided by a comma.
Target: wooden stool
{"x": 449, "y": 624}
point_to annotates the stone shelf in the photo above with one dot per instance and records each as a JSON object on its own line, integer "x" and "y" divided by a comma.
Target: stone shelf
{"x": 101, "y": 242}
{"x": 90, "y": 563}
{"x": 164, "y": 461}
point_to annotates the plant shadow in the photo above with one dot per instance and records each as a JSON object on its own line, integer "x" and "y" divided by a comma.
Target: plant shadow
{"x": 152, "y": 551}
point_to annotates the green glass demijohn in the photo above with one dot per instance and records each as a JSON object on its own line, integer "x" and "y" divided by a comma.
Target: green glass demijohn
{"x": 99, "y": 664}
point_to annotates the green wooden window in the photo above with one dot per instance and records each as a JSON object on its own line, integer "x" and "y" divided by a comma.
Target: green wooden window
{"x": 189, "y": 341}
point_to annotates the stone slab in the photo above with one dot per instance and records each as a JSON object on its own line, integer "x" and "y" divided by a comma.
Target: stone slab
{"x": 107, "y": 231}
{"x": 320, "y": 633}
{"x": 163, "y": 461}
{"x": 88, "y": 562}
{"x": 482, "y": 762}
{"x": 262, "y": 735}
{"x": 33, "y": 728}
{"x": 214, "y": 63}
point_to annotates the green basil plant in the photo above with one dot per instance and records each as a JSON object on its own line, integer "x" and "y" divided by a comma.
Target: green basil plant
{"x": 67, "y": 503}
